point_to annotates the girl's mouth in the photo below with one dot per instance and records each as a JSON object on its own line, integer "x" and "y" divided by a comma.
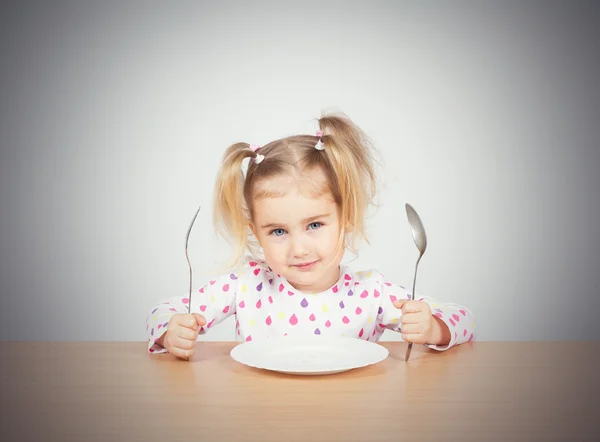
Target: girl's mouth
{"x": 305, "y": 265}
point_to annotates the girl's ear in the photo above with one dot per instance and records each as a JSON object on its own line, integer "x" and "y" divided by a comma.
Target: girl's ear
{"x": 254, "y": 232}
{"x": 251, "y": 226}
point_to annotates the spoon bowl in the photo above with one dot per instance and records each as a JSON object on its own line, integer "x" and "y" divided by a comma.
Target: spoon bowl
{"x": 418, "y": 231}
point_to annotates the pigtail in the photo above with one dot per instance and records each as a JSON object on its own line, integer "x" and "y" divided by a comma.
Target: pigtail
{"x": 351, "y": 157}
{"x": 230, "y": 215}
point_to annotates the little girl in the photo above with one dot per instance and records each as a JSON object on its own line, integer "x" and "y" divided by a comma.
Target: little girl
{"x": 295, "y": 205}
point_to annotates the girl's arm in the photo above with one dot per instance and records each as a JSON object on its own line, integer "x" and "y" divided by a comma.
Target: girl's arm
{"x": 453, "y": 324}
{"x": 215, "y": 301}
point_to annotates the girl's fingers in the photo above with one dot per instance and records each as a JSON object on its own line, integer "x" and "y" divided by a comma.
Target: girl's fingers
{"x": 412, "y": 329}
{"x": 411, "y": 318}
{"x": 407, "y": 337}
{"x": 175, "y": 342}
{"x": 187, "y": 321}
{"x": 183, "y": 353}
{"x": 409, "y": 306}
{"x": 416, "y": 338}
{"x": 200, "y": 319}
{"x": 186, "y": 333}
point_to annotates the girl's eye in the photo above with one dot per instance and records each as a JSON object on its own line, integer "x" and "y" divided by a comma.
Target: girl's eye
{"x": 314, "y": 226}
{"x": 277, "y": 232}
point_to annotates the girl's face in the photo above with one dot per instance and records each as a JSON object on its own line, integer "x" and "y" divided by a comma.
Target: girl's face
{"x": 298, "y": 231}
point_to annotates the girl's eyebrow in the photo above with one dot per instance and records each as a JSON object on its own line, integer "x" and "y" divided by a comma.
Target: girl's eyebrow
{"x": 304, "y": 221}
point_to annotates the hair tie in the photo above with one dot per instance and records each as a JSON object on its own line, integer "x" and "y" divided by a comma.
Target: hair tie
{"x": 258, "y": 158}
{"x": 319, "y": 145}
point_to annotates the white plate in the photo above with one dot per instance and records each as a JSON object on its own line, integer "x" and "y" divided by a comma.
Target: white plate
{"x": 309, "y": 355}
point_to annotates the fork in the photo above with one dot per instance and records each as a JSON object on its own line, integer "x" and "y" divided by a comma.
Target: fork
{"x": 187, "y": 239}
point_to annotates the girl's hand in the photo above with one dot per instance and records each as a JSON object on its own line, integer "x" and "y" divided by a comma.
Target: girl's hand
{"x": 420, "y": 326}
{"x": 181, "y": 334}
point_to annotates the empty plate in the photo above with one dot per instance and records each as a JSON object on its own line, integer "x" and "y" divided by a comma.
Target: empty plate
{"x": 313, "y": 355}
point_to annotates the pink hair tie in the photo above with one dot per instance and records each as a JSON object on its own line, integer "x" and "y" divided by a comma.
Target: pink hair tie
{"x": 258, "y": 158}
{"x": 320, "y": 145}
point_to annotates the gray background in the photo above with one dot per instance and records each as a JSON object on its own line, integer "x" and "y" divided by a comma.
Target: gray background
{"x": 114, "y": 118}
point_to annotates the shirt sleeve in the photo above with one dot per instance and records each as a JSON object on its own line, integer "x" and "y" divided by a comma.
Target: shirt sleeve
{"x": 215, "y": 301}
{"x": 458, "y": 318}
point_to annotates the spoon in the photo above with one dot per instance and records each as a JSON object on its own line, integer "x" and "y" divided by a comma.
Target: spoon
{"x": 420, "y": 238}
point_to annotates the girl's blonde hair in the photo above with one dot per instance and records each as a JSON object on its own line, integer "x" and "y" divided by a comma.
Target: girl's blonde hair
{"x": 347, "y": 161}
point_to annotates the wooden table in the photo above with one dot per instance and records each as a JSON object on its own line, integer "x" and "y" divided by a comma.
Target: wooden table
{"x": 482, "y": 391}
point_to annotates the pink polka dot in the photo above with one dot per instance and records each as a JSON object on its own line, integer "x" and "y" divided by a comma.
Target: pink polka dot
{"x": 345, "y": 320}
{"x": 293, "y": 320}
{"x": 226, "y": 288}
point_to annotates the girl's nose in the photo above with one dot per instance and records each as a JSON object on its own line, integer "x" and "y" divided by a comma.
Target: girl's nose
{"x": 300, "y": 246}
